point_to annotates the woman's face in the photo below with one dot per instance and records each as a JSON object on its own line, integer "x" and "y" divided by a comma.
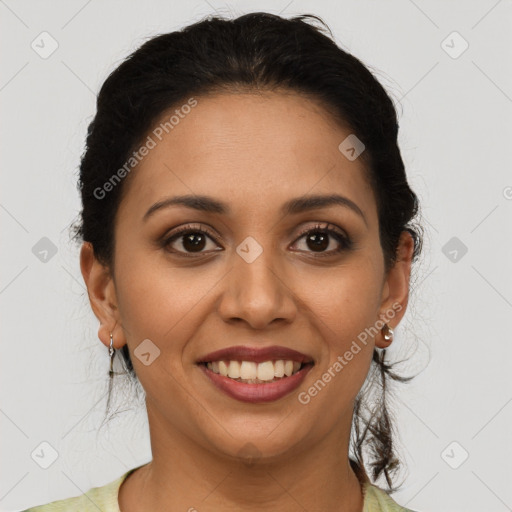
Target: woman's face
{"x": 254, "y": 279}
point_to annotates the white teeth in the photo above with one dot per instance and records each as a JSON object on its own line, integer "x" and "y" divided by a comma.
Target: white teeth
{"x": 223, "y": 368}
{"x": 279, "y": 368}
{"x": 266, "y": 370}
{"x": 234, "y": 369}
{"x": 248, "y": 370}
{"x": 254, "y": 372}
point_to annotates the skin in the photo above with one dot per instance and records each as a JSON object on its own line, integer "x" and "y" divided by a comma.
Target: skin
{"x": 253, "y": 152}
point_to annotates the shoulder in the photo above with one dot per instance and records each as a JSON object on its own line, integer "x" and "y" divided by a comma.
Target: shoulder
{"x": 377, "y": 500}
{"x": 104, "y": 498}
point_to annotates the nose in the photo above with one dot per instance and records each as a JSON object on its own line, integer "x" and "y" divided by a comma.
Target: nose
{"x": 257, "y": 293}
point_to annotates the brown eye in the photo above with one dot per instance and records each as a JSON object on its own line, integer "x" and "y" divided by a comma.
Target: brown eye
{"x": 187, "y": 240}
{"x": 193, "y": 242}
{"x": 319, "y": 238}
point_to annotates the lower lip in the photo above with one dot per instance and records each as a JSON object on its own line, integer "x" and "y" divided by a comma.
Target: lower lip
{"x": 257, "y": 393}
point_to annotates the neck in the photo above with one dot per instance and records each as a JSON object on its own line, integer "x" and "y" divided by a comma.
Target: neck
{"x": 186, "y": 476}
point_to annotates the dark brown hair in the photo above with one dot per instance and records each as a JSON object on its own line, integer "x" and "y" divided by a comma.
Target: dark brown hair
{"x": 256, "y": 52}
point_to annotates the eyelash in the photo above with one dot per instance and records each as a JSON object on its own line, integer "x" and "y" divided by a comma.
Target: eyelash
{"x": 344, "y": 241}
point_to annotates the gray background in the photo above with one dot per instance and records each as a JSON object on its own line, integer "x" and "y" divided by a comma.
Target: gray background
{"x": 455, "y": 135}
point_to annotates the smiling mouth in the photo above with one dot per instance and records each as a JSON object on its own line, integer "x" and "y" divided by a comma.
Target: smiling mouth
{"x": 249, "y": 372}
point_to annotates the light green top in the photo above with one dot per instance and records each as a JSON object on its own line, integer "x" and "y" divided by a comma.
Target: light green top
{"x": 104, "y": 499}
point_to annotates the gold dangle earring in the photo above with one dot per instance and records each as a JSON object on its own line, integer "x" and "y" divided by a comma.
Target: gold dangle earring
{"x": 387, "y": 334}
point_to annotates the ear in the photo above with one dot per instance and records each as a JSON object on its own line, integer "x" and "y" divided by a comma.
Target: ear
{"x": 102, "y": 296}
{"x": 395, "y": 292}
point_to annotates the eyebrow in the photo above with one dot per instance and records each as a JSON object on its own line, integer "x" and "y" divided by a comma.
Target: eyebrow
{"x": 293, "y": 206}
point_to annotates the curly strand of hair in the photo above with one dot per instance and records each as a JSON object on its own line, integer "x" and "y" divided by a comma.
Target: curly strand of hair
{"x": 385, "y": 460}
{"x": 372, "y": 426}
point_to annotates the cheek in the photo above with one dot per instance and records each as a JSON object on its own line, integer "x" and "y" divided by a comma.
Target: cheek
{"x": 345, "y": 300}
{"x": 159, "y": 301}
{"x": 343, "y": 308}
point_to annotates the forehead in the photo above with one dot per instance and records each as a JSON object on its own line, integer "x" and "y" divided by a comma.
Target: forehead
{"x": 248, "y": 148}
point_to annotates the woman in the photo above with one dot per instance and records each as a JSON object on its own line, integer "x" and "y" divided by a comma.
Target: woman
{"x": 247, "y": 247}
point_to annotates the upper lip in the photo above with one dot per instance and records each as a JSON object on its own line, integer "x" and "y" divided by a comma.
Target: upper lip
{"x": 256, "y": 354}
